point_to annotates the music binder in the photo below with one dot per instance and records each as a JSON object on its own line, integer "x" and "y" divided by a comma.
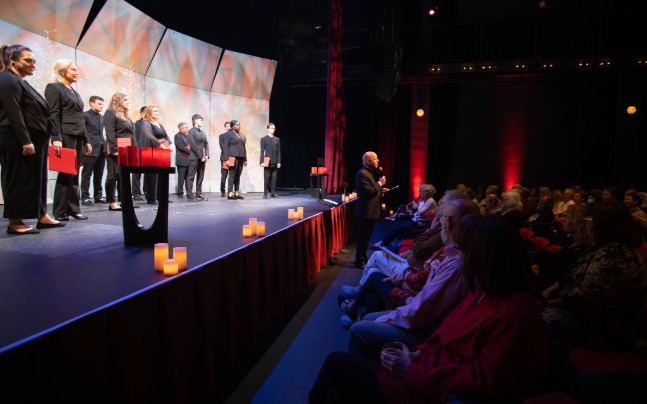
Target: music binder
{"x": 65, "y": 163}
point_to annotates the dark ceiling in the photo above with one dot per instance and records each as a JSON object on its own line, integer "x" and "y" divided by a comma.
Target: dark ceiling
{"x": 377, "y": 32}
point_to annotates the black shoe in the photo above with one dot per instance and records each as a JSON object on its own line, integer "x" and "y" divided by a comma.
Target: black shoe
{"x": 180, "y": 195}
{"x": 190, "y": 198}
{"x": 138, "y": 198}
{"x": 232, "y": 197}
{"x": 360, "y": 264}
{"x": 152, "y": 202}
{"x": 63, "y": 219}
{"x": 114, "y": 209}
{"x": 87, "y": 202}
{"x": 275, "y": 196}
{"x": 239, "y": 197}
{"x": 170, "y": 201}
{"x": 41, "y": 225}
{"x": 79, "y": 216}
{"x": 100, "y": 200}
{"x": 222, "y": 195}
{"x": 264, "y": 196}
{"x": 14, "y": 231}
{"x": 199, "y": 197}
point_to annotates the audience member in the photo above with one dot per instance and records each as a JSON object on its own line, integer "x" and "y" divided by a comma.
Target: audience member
{"x": 528, "y": 205}
{"x": 510, "y": 208}
{"x": 610, "y": 195}
{"x": 633, "y": 203}
{"x": 444, "y": 289}
{"x": 602, "y": 296}
{"x": 490, "y": 346}
{"x": 414, "y": 214}
{"x": 580, "y": 197}
{"x": 24, "y": 133}
{"x": 559, "y": 208}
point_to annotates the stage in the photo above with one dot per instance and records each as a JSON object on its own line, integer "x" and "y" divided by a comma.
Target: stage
{"x": 85, "y": 316}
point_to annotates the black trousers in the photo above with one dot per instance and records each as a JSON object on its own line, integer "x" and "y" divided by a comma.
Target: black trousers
{"x": 112, "y": 178}
{"x": 66, "y": 191}
{"x": 346, "y": 378}
{"x": 374, "y": 293}
{"x": 182, "y": 172}
{"x": 24, "y": 178}
{"x": 93, "y": 167}
{"x": 234, "y": 175}
{"x": 196, "y": 174}
{"x": 223, "y": 178}
{"x": 269, "y": 173}
{"x": 364, "y": 231}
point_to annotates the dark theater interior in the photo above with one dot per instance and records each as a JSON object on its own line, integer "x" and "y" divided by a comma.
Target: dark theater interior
{"x": 542, "y": 93}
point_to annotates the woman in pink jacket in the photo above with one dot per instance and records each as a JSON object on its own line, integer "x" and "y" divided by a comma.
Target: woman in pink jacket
{"x": 491, "y": 345}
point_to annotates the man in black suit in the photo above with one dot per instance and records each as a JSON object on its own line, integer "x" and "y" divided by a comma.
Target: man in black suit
{"x": 182, "y": 152}
{"x": 270, "y": 160}
{"x": 136, "y": 178}
{"x": 95, "y": 162}
{"x": 369, "y": 183}
{"x": 66, "y": 109}
{"x": 224, "y": 169}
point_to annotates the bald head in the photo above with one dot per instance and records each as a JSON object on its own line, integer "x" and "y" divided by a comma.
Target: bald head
{"x": 370, "y": 160}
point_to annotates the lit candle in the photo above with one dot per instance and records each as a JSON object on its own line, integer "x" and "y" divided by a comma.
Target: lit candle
{"x": 300, "y": 212}
{"x": 161, "y": 253}
{"x": 253, "y": 222}
{"x": 391, "y": 212}
{"x": 383, "y": 206}
{"x": 291, "y": 214}
{"x": 247, "y": 230}
{"x": 170, "y": 267}
{"x": 179, "y": 253}
{"x": 260, "y": 229}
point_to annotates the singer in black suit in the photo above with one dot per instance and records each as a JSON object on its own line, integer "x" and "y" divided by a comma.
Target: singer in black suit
{"x": 66, "y": 109}
{"x": 199, "y": 145}
{"x": 369, "y": 183}
{"x": 224, "y": 169}
{"x": 182, "y": 153}
{"x": 95, "y": 163}
{"x": 270, "y": 148}
{"x": 234, "y": 146}
{"x": 24, "y": 133}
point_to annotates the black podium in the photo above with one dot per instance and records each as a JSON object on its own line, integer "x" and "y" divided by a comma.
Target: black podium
{"x": 134, "y": 233}
{"x": 318, "y": 185}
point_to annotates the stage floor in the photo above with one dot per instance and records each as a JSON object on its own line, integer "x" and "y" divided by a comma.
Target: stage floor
{"x": 49, "y": 279}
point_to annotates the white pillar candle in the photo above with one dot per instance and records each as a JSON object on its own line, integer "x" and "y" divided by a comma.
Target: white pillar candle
{"x": 170, "y": 266}
{"x": 253, "y": 222}
{"x": 260, "y": 229}
{"x": 179, "y": 253}
{"x": 247, "y": 230}
{"x": 160, "y": 254}
{"x": 300, "y": 212}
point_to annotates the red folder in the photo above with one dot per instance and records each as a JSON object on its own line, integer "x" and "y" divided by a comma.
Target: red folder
{"x": 65, "y": 163}
{"x": 232, "y": 161}
{"x": 266, "y": 161}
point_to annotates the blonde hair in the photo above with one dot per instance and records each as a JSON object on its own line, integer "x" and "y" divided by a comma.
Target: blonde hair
{"x": 58, "y": 68}
{"x": 115, "y": 105}
{"x": 148, "y": 112}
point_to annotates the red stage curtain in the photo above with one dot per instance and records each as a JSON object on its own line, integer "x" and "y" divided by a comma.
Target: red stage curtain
{"x": 335, "y": 114}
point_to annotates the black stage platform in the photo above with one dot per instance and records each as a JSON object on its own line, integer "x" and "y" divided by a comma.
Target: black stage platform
{"x": 77, "y": 298}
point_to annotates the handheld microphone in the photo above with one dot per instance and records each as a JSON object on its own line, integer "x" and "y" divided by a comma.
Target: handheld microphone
{"x": 380, "y": 171}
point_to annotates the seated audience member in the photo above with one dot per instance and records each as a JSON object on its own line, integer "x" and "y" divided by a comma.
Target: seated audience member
{"x": 490, "y": 346}
{"x": 553, "y": 266}
{"x": 528, "y": 205}
{"x": 602, "y": 295}
{"x": 490, "y": 190}
{"x": 380, "y": 292}
{"x": 610, "y": 195}
{"x": 490, "y": 203}
{"x": 544, "y": 217}
{"x": 424, "y": 245}
{"x": 580, "y": 197}
{"x": 510, "y": 208}
{"x": 412, "y": 215}
{"x": 444, "y": 289}
{"x": 559, "y": 209}
{"x": 632, "y": 203}
{"x": 595, "y": 195}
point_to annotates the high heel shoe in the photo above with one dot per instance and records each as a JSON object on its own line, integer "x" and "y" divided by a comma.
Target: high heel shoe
{"x": 232, "y": 197}
{"x": 114, "y": 209}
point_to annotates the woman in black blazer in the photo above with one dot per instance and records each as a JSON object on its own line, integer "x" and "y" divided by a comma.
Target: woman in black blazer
{"x": 118, "y": 125}
{"x": 24, "y": 135}
{"x": 66, "y": 110}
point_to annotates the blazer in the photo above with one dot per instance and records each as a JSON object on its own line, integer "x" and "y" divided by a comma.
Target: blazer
{"x": 94, "y": 129}
{"x": 221, "y": 143}
{"x": 182, "y": 150}
{"x": 368, "y": 194}
{"x": 117, "y": 128}
{"x": 271, "y": 147}
{"x": 234, "y": 145}
{"x": 487, "y": 346}
{"x": 199, "y": 144}
{"x": 22, "y": 108}
{"x": 66, "y": 109}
